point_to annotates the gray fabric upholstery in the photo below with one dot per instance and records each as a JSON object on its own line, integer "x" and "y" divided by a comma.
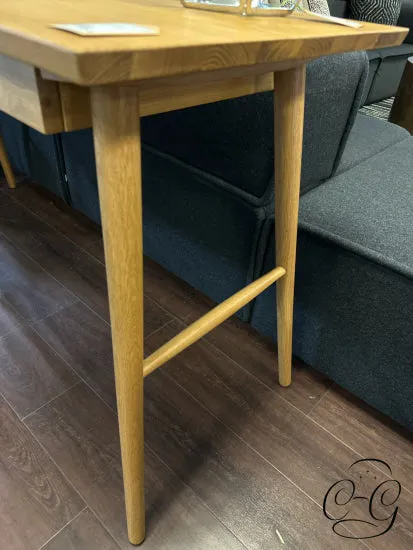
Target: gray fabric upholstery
{"x": 369, "y": 209}
{"x": 197, "y": 230}
{"x": 16, "y": 137}
{"x": 368, "y": 137}
{"x": 339, "y": 8}
{"x": 211, "y": 137}
{"x": 389, "y": 72}
{"x": 353, "y": 321}
{"x": 374, "y": 63}
{"x": 46, "y": 162}
{"x": 383, "y": 81}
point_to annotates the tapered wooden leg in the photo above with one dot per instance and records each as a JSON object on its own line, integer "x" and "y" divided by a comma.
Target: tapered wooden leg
{"x": 288, "y": 129}
{"x": 5, "y": 164}
{"x": 116, "y": 129}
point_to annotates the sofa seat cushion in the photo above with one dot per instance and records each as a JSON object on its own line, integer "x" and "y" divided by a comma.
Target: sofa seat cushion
{"x": 368, "y": 137}
{"x": 368, "y": 209}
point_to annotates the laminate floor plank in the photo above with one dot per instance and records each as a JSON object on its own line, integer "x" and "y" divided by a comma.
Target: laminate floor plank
{"x": 81, "y": 435}
{"x": 31, "y": 373}
{"x": 4, "y": 197}
{"x": 257, "y": 355}
{"x": 69, "y": 264}
{"x": 56, "y": 213}
{"x": 36, "y": 500}
{"x": 84, "y": 340}
{"x": 10, "y": 320}
{"x": 26, "y": 288}
{"x": 85, "y": 532}
{"x": 307, "y": 454}
{"x": 372, "y": 434}
{"x": 65, "y": 261}
{"x": 367, "y": 431}
{"x": 240, "y": 487}
{"x": 96, "y": 250}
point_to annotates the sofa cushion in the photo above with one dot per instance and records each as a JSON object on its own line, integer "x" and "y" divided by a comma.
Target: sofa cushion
{"x": 339, "y": 8}
{"x": 385, "y": 12}
{"x": 389, "y": 72}
{"x": 233, "y": 140}
{"x": 368, "y": 137}
{"x": 368, "y": 209}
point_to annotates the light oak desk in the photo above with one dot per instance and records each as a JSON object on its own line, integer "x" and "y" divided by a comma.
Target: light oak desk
{"x": 54, "y": 82}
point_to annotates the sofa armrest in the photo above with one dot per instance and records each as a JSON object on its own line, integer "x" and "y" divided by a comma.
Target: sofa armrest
{"x": 406, "y": 19}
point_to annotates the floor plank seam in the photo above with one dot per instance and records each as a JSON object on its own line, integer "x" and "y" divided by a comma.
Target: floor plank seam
{"x": 108, "y": 531}
{"x": 39, "y": 265}
{"x": 75, "y": 296}
{"x": 239, "y": 437}
{"x": 79, "y": 381}
{"x": 158, "y": 329}
{"x": 81, "y": 378}
{"x": 53, "y": 462}
{"x": 44, "y": 220}
{"x": 56, "y": 465}
{"x": 61, "y": 529}
{"x": 189, "y": 488}
{"x": 407, "y": 489}
{"x": 52, "y": 314}
{"x": 24, "y": 322}
{"x": 313, "y": 408}
{"x": 255, "y": 451}
{"x": 78, "y": 246}
{"x": 83, "y": 499}
{"x": 205, "y": 340}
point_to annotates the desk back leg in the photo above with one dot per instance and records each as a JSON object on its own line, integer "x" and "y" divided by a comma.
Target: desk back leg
{"x": 289, "y": 96}
{"x": 5, "y": 164}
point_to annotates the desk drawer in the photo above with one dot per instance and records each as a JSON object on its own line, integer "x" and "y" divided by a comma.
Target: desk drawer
{"x": 27, "y": 97}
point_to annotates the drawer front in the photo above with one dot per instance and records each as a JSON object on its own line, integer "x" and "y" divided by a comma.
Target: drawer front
{"x": 27, "y": 97}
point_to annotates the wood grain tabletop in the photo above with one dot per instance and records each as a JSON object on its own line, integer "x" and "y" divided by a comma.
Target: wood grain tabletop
{"x": 189, "y": 41}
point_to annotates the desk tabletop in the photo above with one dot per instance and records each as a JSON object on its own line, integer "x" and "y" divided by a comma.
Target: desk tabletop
{"x": 189, "y": 41}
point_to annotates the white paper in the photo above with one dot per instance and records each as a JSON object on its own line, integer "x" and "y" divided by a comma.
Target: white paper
{"x": 108, "y": 29}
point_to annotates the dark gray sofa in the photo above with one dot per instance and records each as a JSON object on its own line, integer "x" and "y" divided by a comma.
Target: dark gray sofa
{"x": 387, "y": 64}
{"x": 208, "y": 217}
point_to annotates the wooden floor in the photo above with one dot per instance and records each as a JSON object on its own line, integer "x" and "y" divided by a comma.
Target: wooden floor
{"x": 233, "y": 461}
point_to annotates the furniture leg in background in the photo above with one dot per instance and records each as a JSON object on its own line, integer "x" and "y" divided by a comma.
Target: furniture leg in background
{"x": 402, "y": 110}
{"x": 116, "y": 130}
{"x": 289, "y": 96}
{"x": 5, "y": 164}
